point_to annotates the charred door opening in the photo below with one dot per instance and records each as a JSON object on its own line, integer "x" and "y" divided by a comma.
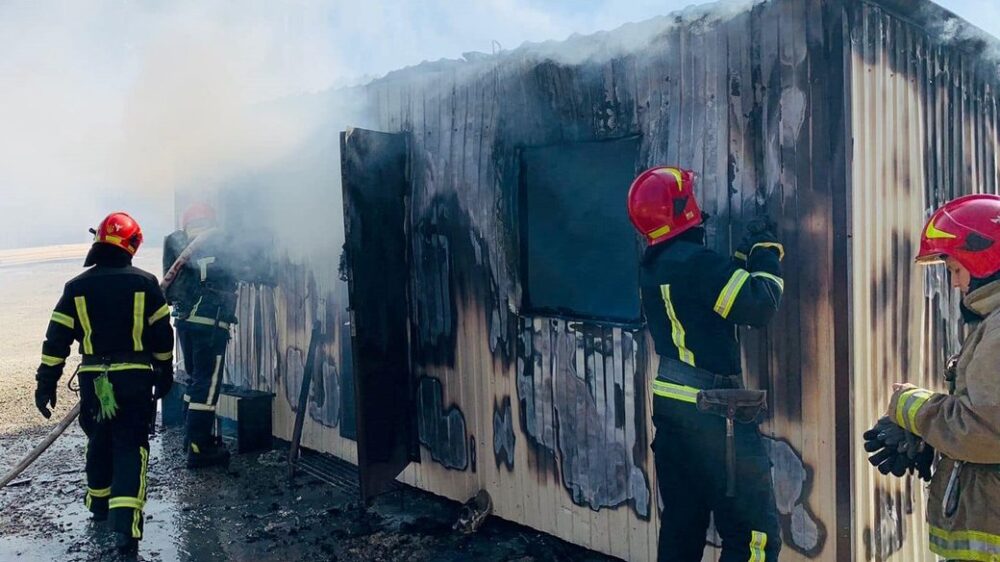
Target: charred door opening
{"x": 373, "y": 166}
{"x": 579, "y": 253}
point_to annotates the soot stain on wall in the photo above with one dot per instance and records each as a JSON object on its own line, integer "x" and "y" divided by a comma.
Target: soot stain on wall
{"x": 451, "y": 266}
{"x": 441, "y": 430}
{"x": 503, "y": 434}
{"x": 324, "y": 402}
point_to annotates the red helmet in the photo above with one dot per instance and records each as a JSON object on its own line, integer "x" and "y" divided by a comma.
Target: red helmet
{"x": 661, "y": 203}
{"x": 967, "y": 229}
{"x": 119, "y": 229}
{"x": 198, "y": 215}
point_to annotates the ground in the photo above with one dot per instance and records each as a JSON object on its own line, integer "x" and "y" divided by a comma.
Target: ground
{"x": 250, "y": 512}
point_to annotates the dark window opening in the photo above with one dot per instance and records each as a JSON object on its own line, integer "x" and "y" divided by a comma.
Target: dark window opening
{"x": 579, "y": 252}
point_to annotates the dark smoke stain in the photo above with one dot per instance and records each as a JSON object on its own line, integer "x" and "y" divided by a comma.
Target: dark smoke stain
{"x": 472, "y": 452}
{"x": 503, "y": 434}
{"x": 324, "y": 400}
{"x": 889, "y": 534}
{"x": 441, "y": 430}
{"x": 452, "y": 265}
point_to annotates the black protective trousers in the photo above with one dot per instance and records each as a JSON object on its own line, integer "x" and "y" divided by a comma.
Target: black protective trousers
{"x": 117, "y": 454}
{"x": 690, "y": 453}
{"x": 204, "y": 351}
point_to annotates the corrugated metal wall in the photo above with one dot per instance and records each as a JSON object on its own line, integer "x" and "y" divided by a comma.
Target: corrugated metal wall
{"x": 550, "y": 416}
{"x": 924, "y": 127}
{"x": 832, "y": 117}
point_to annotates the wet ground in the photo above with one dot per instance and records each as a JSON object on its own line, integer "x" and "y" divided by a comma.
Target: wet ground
{"x": 249, "y": 512}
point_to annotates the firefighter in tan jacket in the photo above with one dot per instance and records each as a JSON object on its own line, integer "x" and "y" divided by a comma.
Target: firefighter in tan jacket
{"x": 963, "y": 509}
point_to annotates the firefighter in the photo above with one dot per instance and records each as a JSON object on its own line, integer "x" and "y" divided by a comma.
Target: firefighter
{"x": 204, "y": 299}
{"x": 693, "y": 299}
{"x": 120, "y": 318}
{"x": 964, "y": 424}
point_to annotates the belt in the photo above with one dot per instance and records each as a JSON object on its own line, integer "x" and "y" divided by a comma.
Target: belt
{"x": 677, "y": 372}
{"x": 119, "y": 361}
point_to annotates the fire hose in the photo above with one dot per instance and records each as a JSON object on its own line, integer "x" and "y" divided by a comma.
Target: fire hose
{"x": 57, "y": 431}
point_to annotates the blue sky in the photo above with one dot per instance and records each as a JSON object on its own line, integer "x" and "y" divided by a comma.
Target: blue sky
{"x": 109, "y": 103}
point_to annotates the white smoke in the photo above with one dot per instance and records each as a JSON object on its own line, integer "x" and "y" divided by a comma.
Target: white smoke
{"x": 109, "y": 105}
{"x": 978, "y": 22}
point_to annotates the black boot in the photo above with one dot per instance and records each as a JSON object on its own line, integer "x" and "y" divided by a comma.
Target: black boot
{"x": 126, "y": 546}
{"x": 208, "y": 453}
{"x": 98, "y": 508}
{"x": 203, "y": 448}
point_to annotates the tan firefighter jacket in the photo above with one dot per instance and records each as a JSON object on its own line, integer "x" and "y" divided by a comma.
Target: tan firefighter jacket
{"x": 964, "y": 427}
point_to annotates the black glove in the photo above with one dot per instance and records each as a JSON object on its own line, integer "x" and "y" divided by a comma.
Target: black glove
{"x": 924, "y": 461}
{"x": 897, "y": 450}
{"x": 163, "y": 379}
{"x": 759, "y": 235}
{"x": 45, "y": 395}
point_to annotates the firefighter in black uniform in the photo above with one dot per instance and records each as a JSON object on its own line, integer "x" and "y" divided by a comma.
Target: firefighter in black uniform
{"x": 204, "y": 300}
{"x": 120, "y": 318}
{"x": 693, "y": 299}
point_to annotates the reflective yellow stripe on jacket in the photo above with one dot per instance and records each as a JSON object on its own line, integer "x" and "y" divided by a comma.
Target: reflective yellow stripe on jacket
{"x": 81, "y": 313}
{"x": 678, "y": 334}
{"x": 138, "y": 319}
{"x": 727, "y": 296}
{"x": 965, "y": 545}
{"x": 163, "y": 312}
{"x": 64, "y": 319}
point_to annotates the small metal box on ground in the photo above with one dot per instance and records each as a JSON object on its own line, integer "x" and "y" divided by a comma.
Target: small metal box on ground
{"x": 244, "y": 416}
{"x": 173, "y": 409}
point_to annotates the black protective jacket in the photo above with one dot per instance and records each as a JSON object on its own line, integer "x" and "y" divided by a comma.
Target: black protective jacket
{"x": 693, "y": 298}
{"x": 116, "y": 312}
{"x": 204, "y": 292}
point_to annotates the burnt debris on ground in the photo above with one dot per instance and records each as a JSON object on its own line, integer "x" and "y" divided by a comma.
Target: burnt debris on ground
{"x": 250, "y": 512}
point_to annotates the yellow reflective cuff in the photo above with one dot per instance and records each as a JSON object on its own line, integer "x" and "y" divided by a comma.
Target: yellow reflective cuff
{"x": 677, "y": 332}
{"x": 728, "y": 294}
{"x": 167, "y": 356}
{"x": 115, "y": 367}
{"x": 99, "y": 492}
{"x": 52, "y": 361}
{"x": 775, "y": 245}
{"x": 64, "y": 319}
{"x": 201, "y": 407}
{"x": 163, "y": 312}
{"x": 675, "y": 391}
{"x": 125, "y": 502}
{"x": 740, "y": 256}
{"x": 771, "y": 277}
{"x": 138, "y": 319}
{"x": 908, "y": 405}
{"x": 195, "y": 449}
{"x": 81, "y": 313}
